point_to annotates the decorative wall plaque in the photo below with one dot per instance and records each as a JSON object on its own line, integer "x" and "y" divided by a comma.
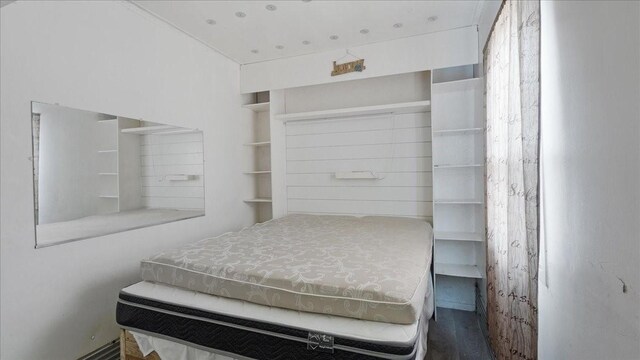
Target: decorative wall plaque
{"x": 339, "y": 69}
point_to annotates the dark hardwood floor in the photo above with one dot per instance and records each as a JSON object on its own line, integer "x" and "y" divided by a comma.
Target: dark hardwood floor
{"x": 456, "y": 336}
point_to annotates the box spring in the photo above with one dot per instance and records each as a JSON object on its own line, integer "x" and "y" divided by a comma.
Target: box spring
{"x": 261, "y": 337}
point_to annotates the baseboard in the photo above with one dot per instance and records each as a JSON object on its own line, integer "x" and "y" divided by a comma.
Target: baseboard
{"x": 111, "y": 351}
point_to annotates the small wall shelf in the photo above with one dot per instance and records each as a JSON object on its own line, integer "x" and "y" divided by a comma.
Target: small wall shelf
{"x": 176, "y": 132}
{"x": 108, "y": 196}
{"x": 258, "y": 172}
{"x": 108, "y": 174}
{"x": 158, "y": 129}
{"x": 107, "y": 151}
{"x": 259, "y": 107}
{"x": 179, "y": 177}
{"x": 258, "y": 200}
{"x": 148, "y": 129}
{"x": 398, "y": 108}
{"x": 260, "y": 143}
{"x": 467, "y": 271}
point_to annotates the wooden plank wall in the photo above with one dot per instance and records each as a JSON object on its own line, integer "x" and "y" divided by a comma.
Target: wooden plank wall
{"x": 163, "y": 155}
{"x": 398, "y": 147}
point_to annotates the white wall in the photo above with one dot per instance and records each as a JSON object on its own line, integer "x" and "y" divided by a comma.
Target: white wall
{"x": 68, "y": 162}
{"x": 589, "y": 287}
{"x": 111, "y": 58}
{"x": 418, "y": 53}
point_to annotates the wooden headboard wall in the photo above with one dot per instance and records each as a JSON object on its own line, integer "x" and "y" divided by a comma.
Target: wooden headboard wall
{"x": 389, "y": 157}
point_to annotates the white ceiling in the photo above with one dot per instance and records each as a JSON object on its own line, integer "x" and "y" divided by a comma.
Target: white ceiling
{"x": 6, "y": 2}
{"x": 296, "y": 21}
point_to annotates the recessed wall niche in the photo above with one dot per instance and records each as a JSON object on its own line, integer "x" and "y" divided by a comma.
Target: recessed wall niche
{"x": 96, "y": 174}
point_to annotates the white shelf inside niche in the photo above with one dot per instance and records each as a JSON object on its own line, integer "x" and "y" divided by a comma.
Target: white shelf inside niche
{"x": 259, "y": 143}
{"x": 107, "y": 151}
{"x": 258, "y": 172}
{"x": 176, "y": 132}
{"x": 458, "y": 270}
{"x": 107, "y": 121}
{"x": 397, "y": 108}
{"x": 158, "y": 130}
{"x": 258, "y": 107}
{"x": 258, "y": 200}
{"x": 108, "y": 196}
{"x": 458, "y": 236}
{"x": 148, "y": 129}
{"x": 108, "y": 174}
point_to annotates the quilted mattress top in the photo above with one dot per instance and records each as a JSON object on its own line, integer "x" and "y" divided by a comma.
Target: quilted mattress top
{"x": 372, "y": 268}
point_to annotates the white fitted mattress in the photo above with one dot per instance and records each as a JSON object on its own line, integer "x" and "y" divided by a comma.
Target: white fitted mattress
{"x": 370, "y": 268}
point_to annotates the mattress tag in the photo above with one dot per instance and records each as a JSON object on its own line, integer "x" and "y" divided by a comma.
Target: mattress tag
{"x": 320, "y": 342}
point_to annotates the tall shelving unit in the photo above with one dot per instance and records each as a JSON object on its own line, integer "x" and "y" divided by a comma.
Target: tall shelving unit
{"x": 458, "y": 191}
{"x": 260, "y": 145}
{"x": 108, "y": 174}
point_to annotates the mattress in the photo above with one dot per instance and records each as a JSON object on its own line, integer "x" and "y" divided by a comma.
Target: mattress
{"x": 241, "y": 329}
{"x": 371, "y": 268}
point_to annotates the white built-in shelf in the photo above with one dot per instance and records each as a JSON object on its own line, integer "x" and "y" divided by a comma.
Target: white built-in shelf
{"x": 457, "y": 85}
{"x": 260, "y": 143}
{"x": 458, "y": 236}
{"x": 107, "y": 151}
{"x": 158, "y": 130}
{"x": 458, "y": 145}
{"x": 258, "y": 200}
{"x": 180, "y": 131}
{"x": 258, "y": 172}
{"x": 458, "y": 201}
{"x": 458, "y": 131}
{"x": 457, "y": 166}
{"x": 109, "y": 196}
{"x": 148, "y": 129}
{"x": 259, "y": 107}
{"x": 108, "y": 174}
{"x": 398, "y": 108}
{"x": 106, "y": 121}
{"x": 468, "y": 271}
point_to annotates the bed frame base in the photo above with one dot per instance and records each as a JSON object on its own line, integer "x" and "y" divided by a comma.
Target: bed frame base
{"x": 129, "y": 349}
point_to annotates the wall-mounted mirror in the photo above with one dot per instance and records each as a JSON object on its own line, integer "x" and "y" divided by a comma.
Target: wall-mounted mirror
{"x": 96, "y": 174}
